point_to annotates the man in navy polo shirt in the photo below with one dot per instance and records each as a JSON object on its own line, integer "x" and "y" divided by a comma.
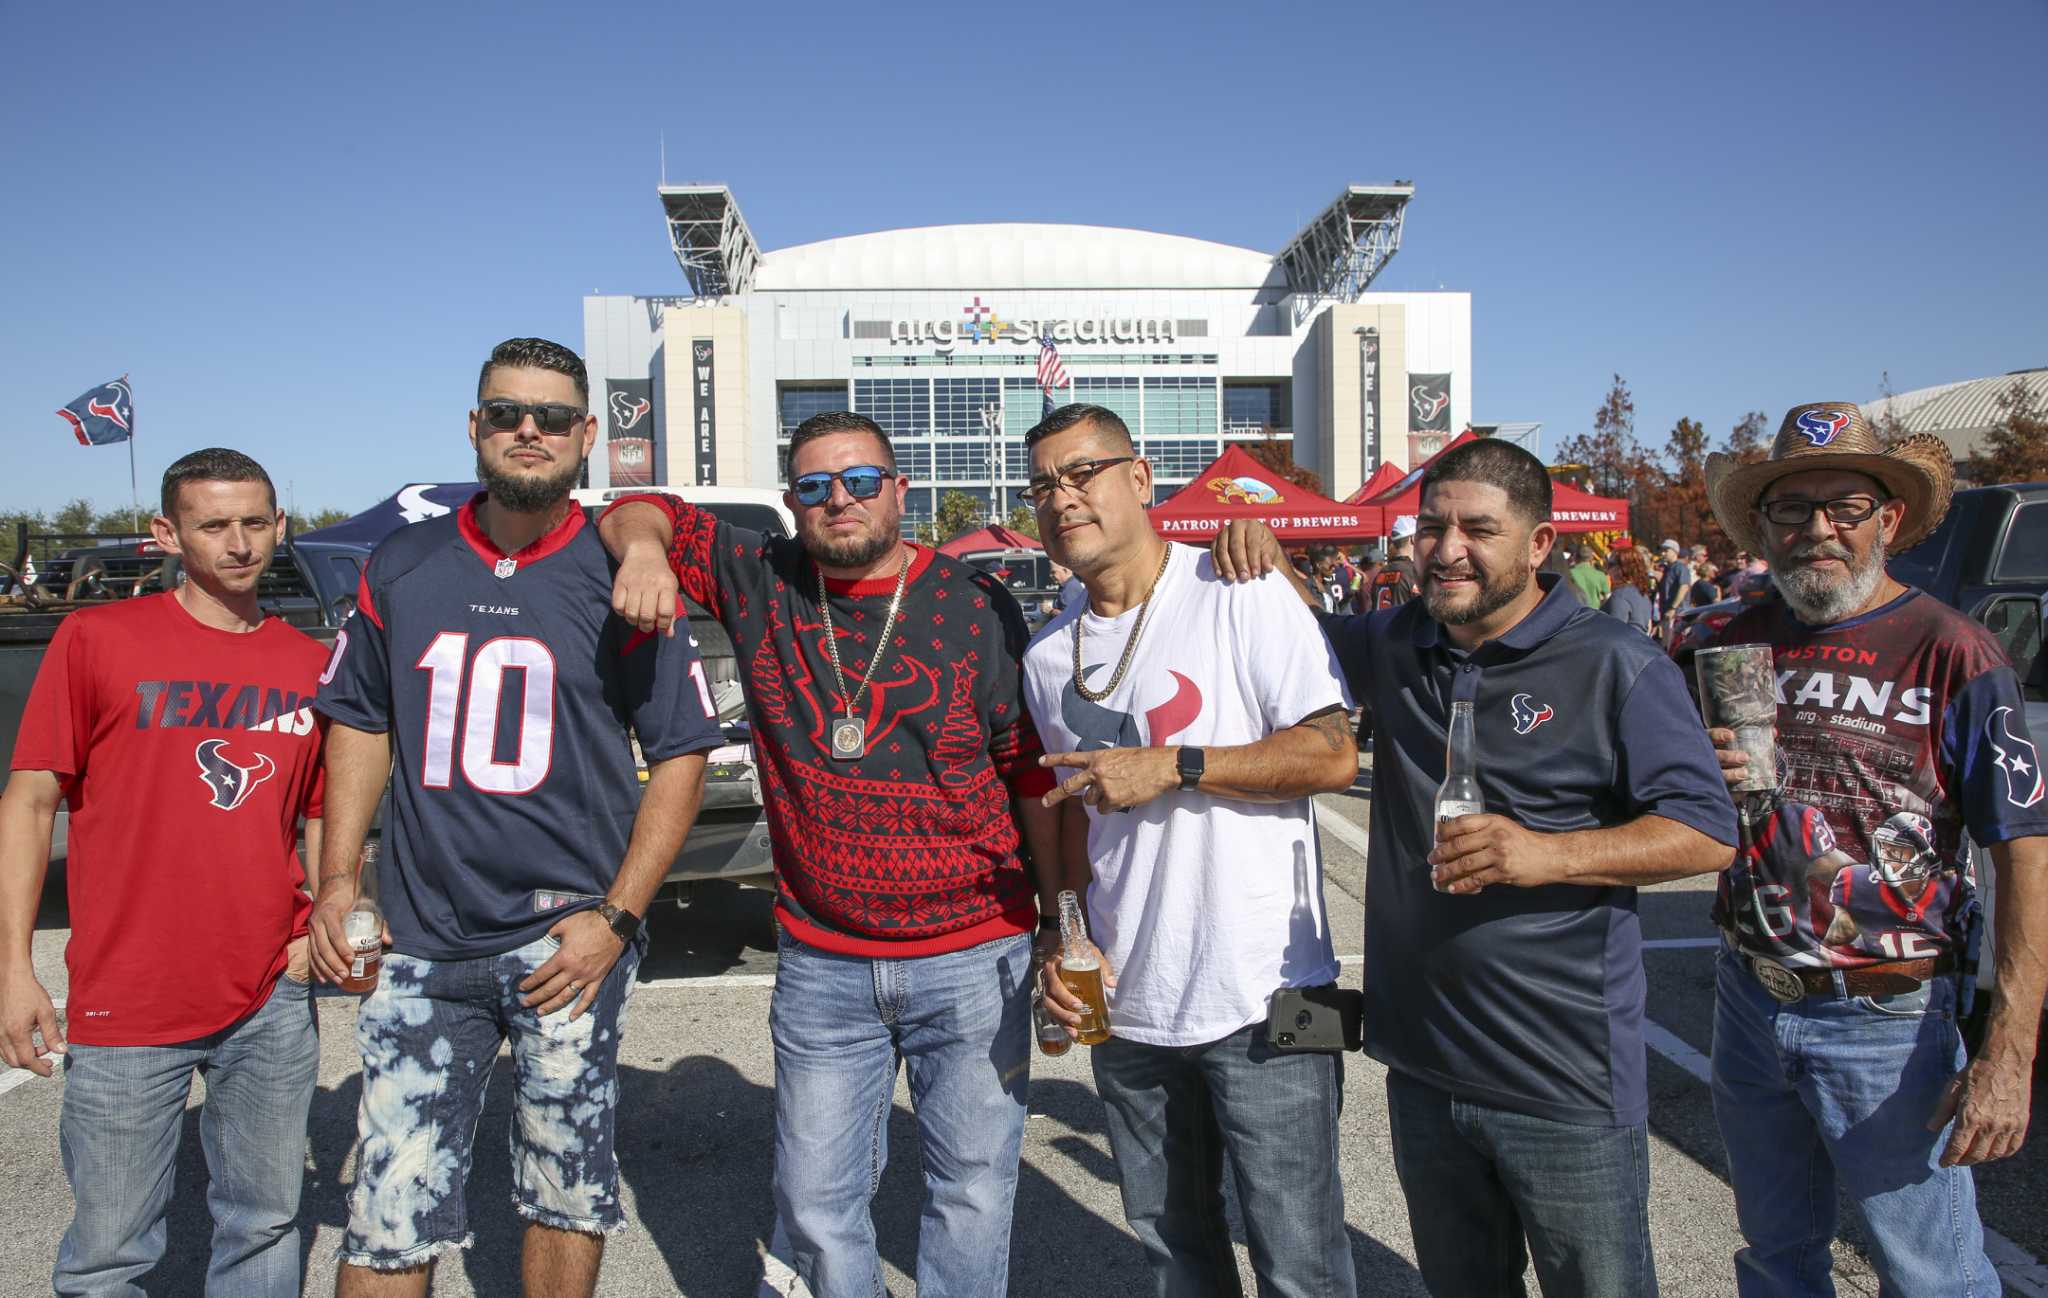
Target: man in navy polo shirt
{"x": 1503, "y": 972}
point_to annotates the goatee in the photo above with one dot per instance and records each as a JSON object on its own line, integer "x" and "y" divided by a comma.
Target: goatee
{"x": 853, "y": 552}
{"x": 1817, "y": 600}
{"x": 529, "y": 493}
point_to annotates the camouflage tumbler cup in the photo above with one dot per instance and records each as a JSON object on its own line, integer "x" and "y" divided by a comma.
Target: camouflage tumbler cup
{"x": 1738, "y": 690}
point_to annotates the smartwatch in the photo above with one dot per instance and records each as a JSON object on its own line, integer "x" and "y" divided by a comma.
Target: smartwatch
{"x": 1190, "y": 762}
{"x": 625, "y": 924}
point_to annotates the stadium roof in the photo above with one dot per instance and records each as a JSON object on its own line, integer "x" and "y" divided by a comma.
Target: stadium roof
{"x": 1335, "y": 256}
{"x": 1958, "y": 413}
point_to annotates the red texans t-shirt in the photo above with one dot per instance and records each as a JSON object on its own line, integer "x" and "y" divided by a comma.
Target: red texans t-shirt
{"x": 187, "y": 755}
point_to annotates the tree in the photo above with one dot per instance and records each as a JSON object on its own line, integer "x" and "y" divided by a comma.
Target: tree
{"x": 324, "y": 518}
{"x": 958, "y": 512}
{"x": 1612, "y": 458}
{"x": 77, "y": 516}
{"x": 1746, "y": 440}
{"x": 1684, "y": 495}
{"x": 123, "y": 520}
{"x": 2016, "y": 448}
{"x": 1278, "y": 456}
{"x": 1023, "y": 518}
{"x": 1888, "y": 425}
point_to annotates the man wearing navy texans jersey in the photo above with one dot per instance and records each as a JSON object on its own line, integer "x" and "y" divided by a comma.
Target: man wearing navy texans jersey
{"x": 1850, "y": 912}
{"x": 485, "y": 675}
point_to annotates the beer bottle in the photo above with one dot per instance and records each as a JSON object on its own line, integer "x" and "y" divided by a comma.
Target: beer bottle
{"x": 1081, "y": 971}
{"x": 1458, "y": 795}
{"x": 363, "y": 926}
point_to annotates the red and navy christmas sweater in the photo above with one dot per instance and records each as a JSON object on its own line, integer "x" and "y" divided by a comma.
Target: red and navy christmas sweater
{"x": 913, "y": 849}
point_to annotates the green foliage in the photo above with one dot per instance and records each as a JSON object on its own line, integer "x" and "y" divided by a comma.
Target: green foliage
{"x": 323, "y": 518}
{"x": 1023, "y": 519}
{"x": 958, "y": 512}
{"x": 2016, "y": 448}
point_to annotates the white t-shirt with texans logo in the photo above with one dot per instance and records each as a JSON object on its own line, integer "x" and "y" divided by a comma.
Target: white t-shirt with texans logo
{"x": 1204, "y": 905}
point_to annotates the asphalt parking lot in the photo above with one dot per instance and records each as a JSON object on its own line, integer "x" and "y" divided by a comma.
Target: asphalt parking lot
{"x": 696, "y": 1116}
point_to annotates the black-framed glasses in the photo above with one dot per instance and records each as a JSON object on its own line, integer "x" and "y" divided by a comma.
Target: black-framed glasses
{"x": 863, "y": 482}
{"x": 1075, "y": 478}
{"x": 1796, "y": 511}
{"x": 551, "y": 417}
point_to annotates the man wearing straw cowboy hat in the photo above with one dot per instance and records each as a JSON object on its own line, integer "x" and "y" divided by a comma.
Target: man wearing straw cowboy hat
{"x": 1848, "y": 914}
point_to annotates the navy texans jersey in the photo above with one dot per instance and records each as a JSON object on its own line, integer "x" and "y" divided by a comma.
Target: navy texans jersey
{"x": 1902, "y": 734}
{"x": 507, "y": 686}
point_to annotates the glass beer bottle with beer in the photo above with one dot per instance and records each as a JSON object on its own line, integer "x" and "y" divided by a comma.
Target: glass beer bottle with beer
{"x": 1081, "y": 971}
{"x": 363, "y": 926}
{"x": 1052, "y": 1038}
{"x": 1458, "y": 795}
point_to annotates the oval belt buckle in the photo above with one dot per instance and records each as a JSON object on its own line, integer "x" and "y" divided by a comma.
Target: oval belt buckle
{"x": 1781, "y": 983}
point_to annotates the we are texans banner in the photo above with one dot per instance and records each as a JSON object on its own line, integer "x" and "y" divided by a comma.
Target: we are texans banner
{"x": 104, "y": 415}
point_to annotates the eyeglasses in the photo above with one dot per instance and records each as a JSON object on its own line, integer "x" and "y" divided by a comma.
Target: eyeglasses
{"x": 1075, "y": 478}
{"x": 551, "y": 417}
{"x": 1796, "y": 511}
{"x": 863, "y": 482}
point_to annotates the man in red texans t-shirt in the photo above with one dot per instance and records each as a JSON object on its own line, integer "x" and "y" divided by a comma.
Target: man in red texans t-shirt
{"x": 179, "y": 728}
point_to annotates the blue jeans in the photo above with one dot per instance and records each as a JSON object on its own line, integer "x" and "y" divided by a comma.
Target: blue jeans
{"x": 1826, "y": 1090}
{"x": 429, "y": 1035}
{"x": 1174, "y": 1110}
{"x": 123, "y": 1106}
{"x": 961, "y": 1024}
{"x": 1479, "y": 1180}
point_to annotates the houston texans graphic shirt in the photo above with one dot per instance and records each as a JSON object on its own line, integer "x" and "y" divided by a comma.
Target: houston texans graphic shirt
{"x": 506, "y": 684}
{"x": 912, "y": 849}
{"x": 188, "y": 755}
{"x": 1205, "y": 906}
{"x": 1900, "y": 732}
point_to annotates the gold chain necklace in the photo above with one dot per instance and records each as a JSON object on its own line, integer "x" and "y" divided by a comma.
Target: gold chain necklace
{"x": 850, "y": 733}
{"x": 1130, "y": 646}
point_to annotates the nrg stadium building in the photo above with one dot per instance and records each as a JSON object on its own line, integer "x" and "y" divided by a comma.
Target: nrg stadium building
{"x": 934, "y": 333}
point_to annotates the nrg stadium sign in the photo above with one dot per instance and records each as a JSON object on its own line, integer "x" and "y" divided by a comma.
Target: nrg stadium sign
{"x": 983, "y": 325}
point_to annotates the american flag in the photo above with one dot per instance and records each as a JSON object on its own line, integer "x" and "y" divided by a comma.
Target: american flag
{"x": 1052, "y": 372}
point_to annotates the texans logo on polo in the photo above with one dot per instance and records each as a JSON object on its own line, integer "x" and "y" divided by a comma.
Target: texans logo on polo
{"x": 229, "y": 783}
{"x": 2018, "y": 759}
{"x": 628, "y": 410}
{"x": 1822, "y": 426}
{"x": 1528, "y": 714}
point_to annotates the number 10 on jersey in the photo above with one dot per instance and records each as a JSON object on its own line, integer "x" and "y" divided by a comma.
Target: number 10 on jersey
{"x": 444, "y": 662}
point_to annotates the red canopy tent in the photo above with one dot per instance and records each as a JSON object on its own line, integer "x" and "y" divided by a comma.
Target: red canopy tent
{"x": 1582, "y": 511}
{"x": 1382, "y": 478}
{"x": 1237, "y": 486}
{"x": 993, "y": 537}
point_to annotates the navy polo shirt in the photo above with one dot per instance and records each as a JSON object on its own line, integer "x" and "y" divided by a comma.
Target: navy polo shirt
{"x": 1526, "y": 999}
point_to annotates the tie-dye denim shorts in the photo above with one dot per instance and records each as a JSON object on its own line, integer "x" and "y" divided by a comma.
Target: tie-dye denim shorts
{"x": 429, "y": 1036}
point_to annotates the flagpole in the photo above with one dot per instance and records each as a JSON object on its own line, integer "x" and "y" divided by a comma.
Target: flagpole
{"x": 134, "y": 494}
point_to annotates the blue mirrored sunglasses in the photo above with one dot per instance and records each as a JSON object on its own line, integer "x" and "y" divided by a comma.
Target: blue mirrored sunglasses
{"x": 863, "y": 482}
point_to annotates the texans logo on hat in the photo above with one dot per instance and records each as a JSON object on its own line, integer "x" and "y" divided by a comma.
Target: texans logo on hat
{"x": 1822, "y": 426}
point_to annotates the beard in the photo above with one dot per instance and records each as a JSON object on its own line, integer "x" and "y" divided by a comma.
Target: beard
{"x": 529, "y": 493}
{"x": 1494, "y": 594}
{"x": 1818, "y": 599}
{"x": 851, "y": 551}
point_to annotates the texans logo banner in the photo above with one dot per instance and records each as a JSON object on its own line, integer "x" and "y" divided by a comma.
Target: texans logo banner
{"x": 103, "y": 416}
{"x": 1429, "y": 403}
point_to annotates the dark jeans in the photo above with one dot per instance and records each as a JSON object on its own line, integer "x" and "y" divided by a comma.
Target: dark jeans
{"x": 1478, "y": 1179}
{"x": 1173, "y": 1110}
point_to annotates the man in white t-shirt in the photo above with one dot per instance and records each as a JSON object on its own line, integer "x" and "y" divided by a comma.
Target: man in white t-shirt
{"x": 1190, "y": 731}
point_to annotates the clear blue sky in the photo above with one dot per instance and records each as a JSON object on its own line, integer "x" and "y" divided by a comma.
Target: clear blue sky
{"x": 299, "y": 228}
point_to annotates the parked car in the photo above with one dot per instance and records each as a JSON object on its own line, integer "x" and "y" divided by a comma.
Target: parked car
{"x": 730, "y": 839}
{"x": 1027, "y": 574}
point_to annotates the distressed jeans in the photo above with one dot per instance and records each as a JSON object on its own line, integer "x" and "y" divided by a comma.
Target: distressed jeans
{"x": 429, "y": 1036}
{"x": 960, "y": 1023}
{"x": 1830, "y": 1091}
{"x": 123, "y": 1106}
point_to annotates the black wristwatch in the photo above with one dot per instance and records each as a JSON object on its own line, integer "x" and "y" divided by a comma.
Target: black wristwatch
{"x": 1190, "y": 761}
{"x": 625, "y": 924}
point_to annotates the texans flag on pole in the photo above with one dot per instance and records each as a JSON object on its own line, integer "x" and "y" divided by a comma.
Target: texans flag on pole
{"x": 104, "y": 415}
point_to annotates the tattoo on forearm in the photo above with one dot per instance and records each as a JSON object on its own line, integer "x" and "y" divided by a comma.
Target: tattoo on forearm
{"x": 1333, "y": 726}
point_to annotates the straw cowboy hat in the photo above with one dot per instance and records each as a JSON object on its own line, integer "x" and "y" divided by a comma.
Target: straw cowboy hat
{"x": 1834, "y": 435}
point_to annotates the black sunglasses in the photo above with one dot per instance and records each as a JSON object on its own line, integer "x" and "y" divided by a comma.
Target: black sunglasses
{"x": 863, "y": 482}
{"x": 551, "y": 417}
